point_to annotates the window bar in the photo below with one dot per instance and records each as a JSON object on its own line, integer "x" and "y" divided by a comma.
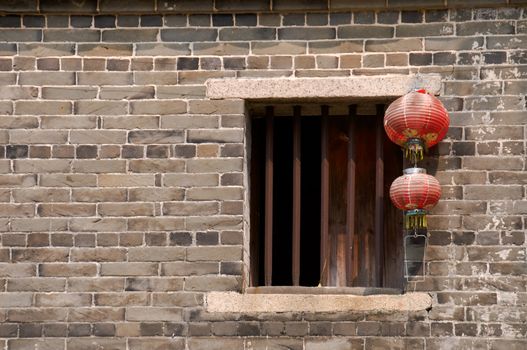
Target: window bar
{"x": 350, "y": 214}
{"x": 379, "y": 198}
{"x": 269, "y": 140}
{"x": 324, "y": 200}
{"x": 296, "y": 194}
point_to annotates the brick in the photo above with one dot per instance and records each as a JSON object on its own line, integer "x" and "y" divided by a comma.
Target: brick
{"x": 190, "y": 180}
{"x": 393, "y": 45}
{"x": 155, "y": 136}
{"x": 74, "y": 93}
{"x": 17, "y": 270}
{"x": 97, "y": 137}
{"x": 40, "y": 195}
{"x": 148, "y": 343}
{"x": 96, "y": 343}
{"x": 129, "y": 269}
{"x": 151, "y": 165}
{"x": 97, "y": 224}
{"x": 442, "y": 44}
{"x": 42, "y": 107}
{"x": 96, "y": 314}
{"x": 158, "y": 107}
{"x": 41, "y": 344}
{"x": 106, "y": 284}
{"x": 155, "y": 194}
{"x": 111, "y": 180}
{"x": 62, "y": 300}
{"x": 156, "y": 254}
{"x": 37, "y": 136}
{"x": 17, "y": 210}
{"x": 189, "y": 208}
{"x": 46, "y": 78}
{"x": 121, "y": 299}
{"x": 113, "y": 78}
{"x": 18, "y": 92}
{"x": 127, "y": 93}
{"x": 278, "y": 48}
{"x": 216, "y": 106}
{"x": 493, "y": 133}
{"x": 107, "y": 50}
{"x": 98, "y": 166}
{"x": 38, "y": 224}
{"x": 214, "y": 253}
{"x": 101, "y": 107}
{"x": 364, "y": 31}
{"x": 67, "y": 270}
{"x": 36, "y": 285}
{"x": 129, "y": 35}
{"x": 10, "y": 300}
{"x": 212, "y": 283}
{"x": 70, "y": 209}
{"x": 213, "y": 165}
{"x": 125, "y": 209}
{"x": 492, "y": 163}
{"x": 99, "y": 195}
{"x": 189, "y": 35}
{"x": 426, "y": 30}
{"x": 130, "y": 122}
{"x": 153, "y": 314}
{"x": 155, "y": 224}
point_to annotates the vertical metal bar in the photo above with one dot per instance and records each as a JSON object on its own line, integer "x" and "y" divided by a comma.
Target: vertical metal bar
{"x": 350, "y": 214}
{"x": 296, "y": 194}
{"x": 324, "y": 199}
{"x": 379, "y": 198}
{"x": 269, "y": 141}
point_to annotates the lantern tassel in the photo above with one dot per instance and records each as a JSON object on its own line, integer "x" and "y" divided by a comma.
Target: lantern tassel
{"x": 415, "y": 219}
{"x": 414, "y": 150}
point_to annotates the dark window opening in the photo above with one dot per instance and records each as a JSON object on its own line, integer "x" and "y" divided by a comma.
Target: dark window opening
{"x": 299, "y": 218}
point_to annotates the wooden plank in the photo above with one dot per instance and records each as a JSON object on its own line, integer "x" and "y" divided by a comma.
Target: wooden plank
{"x": 379, "y": 198}
{"x": 296, "y": 194}
{"x": 350, "y": 197}
{"x": 269, "y": 143}
{"x": 324, "y": 199}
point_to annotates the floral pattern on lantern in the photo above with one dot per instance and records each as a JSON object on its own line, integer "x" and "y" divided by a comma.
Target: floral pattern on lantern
{"x": 415, "y": 192}
{"x": 415, "y": 121}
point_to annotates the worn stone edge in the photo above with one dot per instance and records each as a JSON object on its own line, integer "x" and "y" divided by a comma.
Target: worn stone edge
{"x": 232, "y": 302}
{"x": 321, "y": 88}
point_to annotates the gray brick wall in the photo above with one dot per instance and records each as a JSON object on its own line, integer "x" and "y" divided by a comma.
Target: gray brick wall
{"x": 121, "y": 193}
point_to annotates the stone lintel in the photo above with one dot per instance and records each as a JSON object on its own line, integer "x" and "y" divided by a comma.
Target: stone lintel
{"x": 232, "y": 302}
{"x": 386, "y": 86}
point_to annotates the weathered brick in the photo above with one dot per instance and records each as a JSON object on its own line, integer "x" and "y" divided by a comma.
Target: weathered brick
{"x": 105, "y": 50}
{"x": 153, "y": 314}
{"x": 129, "y": 35}
{"x": 67, "y": 270}
{"x": 125, "y": 209}
{"x": 43, "y": 344}
{"x": 129, "y": 269}
{"x": 189, "y": 35}
{"x": 97, "y": 224}
{"x": 442, "y": 44}
{"x": 153, "y": 165}
{"x": 70, "y": 209}
{"x": 42, "y": 107}
{"x": 61, "y": 300}
{"x": 155, "y": 136}
{"x": 99, "y": 194}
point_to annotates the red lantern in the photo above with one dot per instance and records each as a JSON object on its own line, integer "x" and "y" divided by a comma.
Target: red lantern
{"x": 415, "y": 121}
{"x": 415, "y": 192}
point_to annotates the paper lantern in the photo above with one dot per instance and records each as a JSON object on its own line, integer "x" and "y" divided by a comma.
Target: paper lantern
{"x": 415, "y": 121}
{"x": 415, "y": 192}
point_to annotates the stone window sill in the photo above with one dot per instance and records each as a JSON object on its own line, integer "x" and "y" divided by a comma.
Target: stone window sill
{"x": 306, "y": 299}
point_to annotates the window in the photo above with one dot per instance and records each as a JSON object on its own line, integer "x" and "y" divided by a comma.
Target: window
{"x": 304, "y": 160}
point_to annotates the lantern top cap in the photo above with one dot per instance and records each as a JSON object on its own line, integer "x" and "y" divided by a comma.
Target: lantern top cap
{"x": 421, "y": 91}
{"x": 409, "y": 171}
